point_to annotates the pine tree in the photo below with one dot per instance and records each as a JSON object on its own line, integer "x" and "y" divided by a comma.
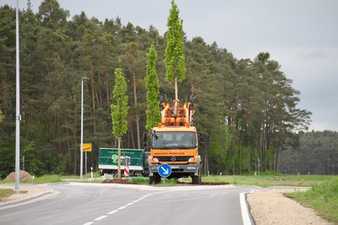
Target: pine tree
{"x": 152, "y": 86}
{"x": 119, "y": 111}
{"x": 1, "y": 116}
{"x": 174, "y": 52}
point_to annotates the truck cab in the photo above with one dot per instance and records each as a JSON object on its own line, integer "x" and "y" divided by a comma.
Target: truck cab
{"x": 175, "y": 143}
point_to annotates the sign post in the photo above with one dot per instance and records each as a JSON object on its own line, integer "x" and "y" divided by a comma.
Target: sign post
{"x": 87, "y": 147}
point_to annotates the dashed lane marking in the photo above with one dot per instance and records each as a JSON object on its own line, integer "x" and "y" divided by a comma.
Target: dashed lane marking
{"x": 112, "y": 212}
{"x": 122, "y": 207}
{"x": 89, "y": 223}
{"x": 116, "y": 210}
{"x": 100, "y": 218}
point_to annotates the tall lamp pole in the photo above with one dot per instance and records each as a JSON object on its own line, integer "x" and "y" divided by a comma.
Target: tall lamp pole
{"x": 81, "y": 144}
{"x": 18, "y": 115}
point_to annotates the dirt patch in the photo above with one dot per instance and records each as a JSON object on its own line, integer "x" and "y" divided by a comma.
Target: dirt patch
{"x": 5, "y": 193}
{"x": 116, "y": 181}
{"x": 273, "y": 208}
{"x": 24, "y": 177}
{"x": 26, "y": 192}
{"x": 203, "y": 183}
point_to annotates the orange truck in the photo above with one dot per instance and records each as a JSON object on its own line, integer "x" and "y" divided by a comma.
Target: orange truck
{"x": 175, "y": 142}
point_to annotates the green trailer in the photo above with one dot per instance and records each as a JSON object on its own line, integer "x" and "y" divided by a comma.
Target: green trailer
{"x": 108, "y": 160}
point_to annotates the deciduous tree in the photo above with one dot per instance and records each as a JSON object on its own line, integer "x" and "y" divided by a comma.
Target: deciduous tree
{"x": 152, "y": 85}
{"x": 119, "y": 111}
{"x": 174, "y": 52}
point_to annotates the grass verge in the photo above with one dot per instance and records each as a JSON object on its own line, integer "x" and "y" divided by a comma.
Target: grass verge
{"x": 5, "y": 193}
{"x": 145, "y": 181}
{"x": 47, "y": 179}
{"x": 323, "y": 198}
{"x": 270, "y": 180}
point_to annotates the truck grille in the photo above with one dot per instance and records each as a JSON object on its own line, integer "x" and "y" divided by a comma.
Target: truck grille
{"x": 173, "y": 158}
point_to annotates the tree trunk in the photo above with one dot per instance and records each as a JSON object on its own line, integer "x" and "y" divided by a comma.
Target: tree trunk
{"x": 119, "y": 157}
{"x": 137, "y": 116}
{"x": 93, "y": 104}
{"x": 276, "y": 159}
{"x": 176, "y": 89}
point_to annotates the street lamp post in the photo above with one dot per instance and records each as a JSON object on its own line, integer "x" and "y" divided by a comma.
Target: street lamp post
{"x": 81, "y": 144}
{"x": 17, "y": 115}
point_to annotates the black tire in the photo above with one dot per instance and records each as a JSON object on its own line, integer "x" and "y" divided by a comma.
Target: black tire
{"x": 151, "y": 180}
{"x": 157, "y": 179}
{"x": 196, "y": 179}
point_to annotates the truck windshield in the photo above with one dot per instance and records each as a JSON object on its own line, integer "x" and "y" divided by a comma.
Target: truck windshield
{"x": 174, "y": 139}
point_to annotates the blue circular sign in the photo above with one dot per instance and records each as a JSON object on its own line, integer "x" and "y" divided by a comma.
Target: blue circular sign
{"x": 164, "y": 170}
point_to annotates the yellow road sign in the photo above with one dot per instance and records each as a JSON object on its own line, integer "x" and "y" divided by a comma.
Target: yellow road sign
{"x": 87, "y": 147}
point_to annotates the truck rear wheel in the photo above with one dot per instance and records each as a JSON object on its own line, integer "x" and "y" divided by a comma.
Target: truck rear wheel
{"x": 196, "y": 179}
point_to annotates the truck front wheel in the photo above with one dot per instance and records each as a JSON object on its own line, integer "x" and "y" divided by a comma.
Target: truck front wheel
{"x": 156, "y": 179}
{"x": 151, "y": 180}
{"x": 196, "y": 179}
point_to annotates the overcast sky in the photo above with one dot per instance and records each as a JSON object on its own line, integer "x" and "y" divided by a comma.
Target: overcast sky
{"x": 301, "y": 34}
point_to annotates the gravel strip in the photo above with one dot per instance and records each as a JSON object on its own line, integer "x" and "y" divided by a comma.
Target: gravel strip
{"x": 273, "y": 208}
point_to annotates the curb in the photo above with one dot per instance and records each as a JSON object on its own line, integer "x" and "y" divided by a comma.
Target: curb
{"x": 245, "y": 209}
{"x": 26, "y": 200}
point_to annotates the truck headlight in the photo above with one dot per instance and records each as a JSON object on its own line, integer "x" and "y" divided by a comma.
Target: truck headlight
{"x": 155, "y": 160}
{"x": 192, "y": 160}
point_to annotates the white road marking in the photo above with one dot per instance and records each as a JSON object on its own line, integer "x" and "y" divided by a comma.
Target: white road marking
{"x": 244, "y": 209}
{"x": 165, "y": 171}
{"x": 112, "y": 212}
{"x": 89, "y": 223}
{"x": 116, "y": 210}
{"x": 100, "y": 218}
{"x": 122, "y": 207}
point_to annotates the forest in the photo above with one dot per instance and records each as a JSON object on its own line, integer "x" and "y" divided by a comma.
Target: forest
{"x": 247, "y": 111}
{"x": 315, "y": 153}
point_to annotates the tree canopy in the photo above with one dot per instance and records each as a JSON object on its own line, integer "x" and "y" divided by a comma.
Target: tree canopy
{"x": 247, "y": 109}
{"x": 153, "y": 113}
{"x": 119, "y": 107}
{"x": 174, "y": 52}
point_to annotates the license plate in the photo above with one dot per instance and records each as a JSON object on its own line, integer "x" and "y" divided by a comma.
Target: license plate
{"x": 175, "y": 167}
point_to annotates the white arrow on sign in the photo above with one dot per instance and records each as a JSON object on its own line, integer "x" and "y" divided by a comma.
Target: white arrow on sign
{"x": 166, "y": 171}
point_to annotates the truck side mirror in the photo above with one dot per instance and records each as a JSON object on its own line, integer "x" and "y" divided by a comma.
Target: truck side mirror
{"x": 154, "y": 134}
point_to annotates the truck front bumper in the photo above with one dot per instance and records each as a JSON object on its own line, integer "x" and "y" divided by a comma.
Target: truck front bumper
{"x": 178, "y": 170}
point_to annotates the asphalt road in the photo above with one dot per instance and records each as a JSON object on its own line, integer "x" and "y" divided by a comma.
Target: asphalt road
{"x": 103, "y": 204}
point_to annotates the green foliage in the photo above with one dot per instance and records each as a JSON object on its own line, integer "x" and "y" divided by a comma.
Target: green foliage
{"x": 174, "y": 52}
{"x": 152, "y": 85}
{"x": 311, "y": 153}
{"x": 2, "y": 116}
{"x": 47, "y": 179}
{"x": 323, "y": 198}
{"x": 119, "y": 107}
{"x": 267, "y": 180}
{"x": 32, "y": 162}
{"x": 246, "y": 109}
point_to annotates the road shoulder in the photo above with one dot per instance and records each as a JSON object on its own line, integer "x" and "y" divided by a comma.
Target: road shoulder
{"x": 271, "y": 207}
{"x": 26, "y": 193}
